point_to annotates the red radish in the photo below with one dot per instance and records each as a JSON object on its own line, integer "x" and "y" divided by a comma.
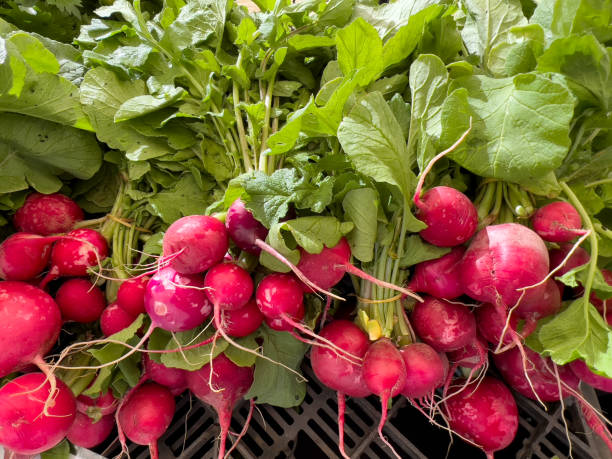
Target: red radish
{"x": 30, "y": 323}
{"x": 47, "y": 214}
{"x": 578, "y": 258}
{"x": 87, "y": 432}
{"x": 384, "y": 373}
{"x": 147, "y": 414}
{"x": 221, "y": 383}
{"x": 444, "y": 326}
{"x": 23, "y": 256}
{"x": 279, "y": 296}
{"x": 341, "y": 374}
{"x": 24, "y": 427}
{"x": 500, "y": 260}
{"x": 74, "y": 253}
{"x": 176, "y": 302}
{"x": 486, "y": 415}
{"x": 280, "y": 324}
{"x": 199, "y": 242}
{"x": 473, "y": 356}
{"x": 441, "y": 277}
{"x": 243, "y": 229}
{"x": 425, "y": 370}
{"x": 602, "y": 305}
{"x": 242, "y": 322}
{"x": 557, "y": 222}
{"x": 542, "y": 301}
{"x": 174, "y": 379}
{"x": 585, "y": 374}
{"x": 114, "y": 319}
{"x": 96, "y": 408}
{"x": 80, "y": 301}
{"x": 130, "y": 295}
{"x": 228, "y": 285}
{"x": 450, "y": 216}
{"x": 491, "y": 325}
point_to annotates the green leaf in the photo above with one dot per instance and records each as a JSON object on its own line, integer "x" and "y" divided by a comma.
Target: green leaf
{"x": 39, "y": 58}
{"x": 580, "y": 17}
{"x": 275, "y": 239}
{"x": 416, "y": 251}
{"x": 520, "y": 126}
{"x": 59, "y": 451}
{"x": 578, "y": 276}
{"x": 303, "y": 42}
{"x": 273, "y": 384}
{"x": 372, "y": 138}
{"x": 143, "y": 105}
{"x": 360, "y": 49}
{"x": 314, "y": 233}
{"x": 34, "y": 152}
{"x": 192, "y": 359}
{"x": 361, "y": 208}
{"x": 240, "y": 357}
{"x": 388, "y": 18}
{"x": 112, "y": 351}
{"x": 578, "y": 332}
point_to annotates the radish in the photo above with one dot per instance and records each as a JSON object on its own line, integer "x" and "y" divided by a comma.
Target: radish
{"x": 198, "y": 241}
{"x": 243, "y": 229}
{"x": 342, "y": 375}
{"x": 87, "y": 432}
{"x": 585, "y": 374}
{"x": 146, "y": 414}
{"x": 441, "y": 277}
{"x": 557, "y": 222}
{"x": 450, "y": 216}
{"x": 95, "y": 408}
{"x": 176, "y": 302}
{"x": 242, "y": 322}
{"x": 221, "y": 383}
{"x": 491, "y": 325}
{"x": 578, "y": 258}
{"x": 444, "y": 326}
{"x": 174, "y": 379}
{"x": 130, "y": 295}
{"x": 384, "y": 373}
{"x": 228, "y": 285}
{"x": 28, "y": 424}
{"x": 74, "y": 253}
{"x": 474, "y": 355}
{"x": 114, "y": 319}
{"x": 47, "y": 214}
{"x": 542, "y": 301}
{"x": 280, "y": 298}
{"x": 486, "y": 415}
{"x": 23, "y": 256}
{"x": 425, "y": 370}
{"x": 30, "y": 323}
{"x": 80, "y": 301}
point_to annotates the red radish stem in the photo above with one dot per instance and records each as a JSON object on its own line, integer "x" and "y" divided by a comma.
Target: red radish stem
{"x": 47, "y": 214}
{"x": 23, "y": 256}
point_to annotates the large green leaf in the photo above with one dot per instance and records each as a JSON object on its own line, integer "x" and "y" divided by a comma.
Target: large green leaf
{"x": 360, "y": 49}
{"x": 361, "y": 207}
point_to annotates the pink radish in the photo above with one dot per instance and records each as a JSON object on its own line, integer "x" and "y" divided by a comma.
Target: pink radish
{"x": 25, "y": 428}
{"x": 130, "y": 295}
{"x": 557, "y": 222}
{"x": 473, "y": 356}
{"x": 384, "y": 373}
{"x": 578, "y": 258}
{"x": 146, "y": 415}
{"x": 486, "y": 415}
{"x": 47, "y": 214}
{"x": 450, "y": 216}
{"x": 114, "y": 319}
{"x": 444, "y": 326}
{"x": 279, "y": 297}
{"x": 243, "y": 229}
{"x": 30, "y": 323}
{"x": 441, "y": 277}
{"x": 23, "y": 256}
{"x": 585, "y": 374}
{"x": 198, "y": 241}
{"x": 221, "y": 383}
{"x": 425, "y": 370}
{"x": 242, "y": 322}
{"x": 491, "y": 325}
{"x": 542, "y": 301}
{"x": 80, "y": 301}
{"x": 87, "y": 432}
{"x": 228, "y": 285}
{"x": 174, "y": 379}
{"x": 95, "y": 408}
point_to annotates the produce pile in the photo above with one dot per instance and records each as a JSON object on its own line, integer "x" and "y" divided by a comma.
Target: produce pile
{"x": 417, "y": 195}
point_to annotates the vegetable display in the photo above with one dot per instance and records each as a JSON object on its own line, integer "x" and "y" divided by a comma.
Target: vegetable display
{"x": 407, "y": 196}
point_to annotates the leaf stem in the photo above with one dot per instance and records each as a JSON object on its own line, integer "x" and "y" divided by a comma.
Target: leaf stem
{"x": 266, "y": 127}
{"x": 240, "y": 124}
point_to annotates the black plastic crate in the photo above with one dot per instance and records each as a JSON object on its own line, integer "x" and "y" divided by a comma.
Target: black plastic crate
{"x": 310, "y": 431}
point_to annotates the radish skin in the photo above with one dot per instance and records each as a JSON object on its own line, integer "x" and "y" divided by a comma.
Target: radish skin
{"x": 23, "y": 256}
{"x": 114, "y": 319}
{"x": 557, "y": 222}
{"x": 243, "y": 229}
{"x": 130, "y": 295}
{"x": 441, "y": 277}
{"x": 80, "y": 301}
{"x": 88, "y": 433}
{"x": 47, "y": 214}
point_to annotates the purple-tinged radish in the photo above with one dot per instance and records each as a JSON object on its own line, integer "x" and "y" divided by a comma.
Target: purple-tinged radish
{"x": 87, "y": 432}
{"x": 47, "y": 214}
{"x": 197, "y": 242}
{"x": 242, "y": 322}
{"x": 174, "y": 379}
{"x": 114, "y": 319}
{"x": 23, "y": 256}
{"x": 491, "y": 325}
{"x": 29, "y": 424}
{"x": 486, "y": 415}
{"x": 221, "y": 384}
{"x": 243, "y": 229}
{"x": 444, "y": 326}
{"x": 425, "y": 370}
{"x": 130, "y": 295}
{"x": 228, "y": 285}
{"x": 384, "y": 373}
{"x": 440, "y": 277}
{"x": 80, "y": 301}
{"x": 557, "y": 222}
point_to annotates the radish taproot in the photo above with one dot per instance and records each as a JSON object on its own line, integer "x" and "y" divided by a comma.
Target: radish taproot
{"x": 28, "y": 424}
{"x": 47, "y": 214}
{"x": 87, "y": 432}
{"x": 80, "y": 300}
{"x": 221, "y": 384}
{"x": 557, "y": 222}
{"x": 23, "y": 256}
{"x": 440, "y": 277}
